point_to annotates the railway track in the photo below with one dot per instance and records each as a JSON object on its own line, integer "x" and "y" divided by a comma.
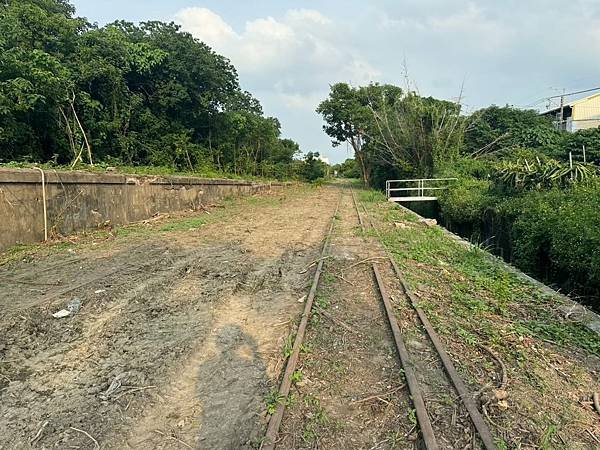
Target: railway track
{"x": 426, "y": 390}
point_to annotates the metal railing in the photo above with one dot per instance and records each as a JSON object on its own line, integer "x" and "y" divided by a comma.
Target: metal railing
{"x": 422, "y": 185}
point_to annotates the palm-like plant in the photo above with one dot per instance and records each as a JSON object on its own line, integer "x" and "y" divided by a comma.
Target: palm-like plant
{"x": 536, "y": 174}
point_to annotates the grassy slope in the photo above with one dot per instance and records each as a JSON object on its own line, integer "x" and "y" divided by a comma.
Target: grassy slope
{"x": 474, "y": 302}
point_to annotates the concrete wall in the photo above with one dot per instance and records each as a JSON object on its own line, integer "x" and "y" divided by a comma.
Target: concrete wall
{"x": 80, "y": 200}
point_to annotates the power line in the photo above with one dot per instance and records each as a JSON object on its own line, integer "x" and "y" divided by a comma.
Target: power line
{"x": 573, "y": 93}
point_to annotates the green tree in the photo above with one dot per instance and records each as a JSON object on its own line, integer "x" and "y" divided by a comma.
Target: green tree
{"x": 146, "y": 94}
{"x": 348, "y": 115}
{"x": 497, "y": 128}
{"x": 314, "y": 168}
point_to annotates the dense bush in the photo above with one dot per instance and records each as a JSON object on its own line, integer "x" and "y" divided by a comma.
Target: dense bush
{"x": 348, "y": 169}
{"x": 466, "y": 202}
{"x": 521, "y": 197}
{"x": 556, "y": 236}
{"x": 147, "y": 94}
{"x": 495, "y": 128}
{"x": 313, "y": 168}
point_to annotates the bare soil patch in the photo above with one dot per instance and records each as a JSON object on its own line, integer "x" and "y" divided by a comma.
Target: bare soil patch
{"x": 178, "y": 338}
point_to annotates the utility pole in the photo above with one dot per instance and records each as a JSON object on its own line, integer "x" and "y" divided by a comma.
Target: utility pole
{"x": 562, "y": 108}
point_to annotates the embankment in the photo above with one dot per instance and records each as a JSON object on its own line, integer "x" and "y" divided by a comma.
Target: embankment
{"x": 77, "y": 201}
{"x": 571, "y": 309}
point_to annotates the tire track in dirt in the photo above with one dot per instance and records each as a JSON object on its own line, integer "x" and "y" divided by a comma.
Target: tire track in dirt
{"x": 173, "y": 334}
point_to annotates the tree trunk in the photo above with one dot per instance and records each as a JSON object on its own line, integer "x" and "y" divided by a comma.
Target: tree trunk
{"x": 360, "y": 156}
{"x": 89, "y": 148}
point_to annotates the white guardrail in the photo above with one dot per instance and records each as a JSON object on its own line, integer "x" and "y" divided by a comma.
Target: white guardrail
{"x": 423, "y": 185}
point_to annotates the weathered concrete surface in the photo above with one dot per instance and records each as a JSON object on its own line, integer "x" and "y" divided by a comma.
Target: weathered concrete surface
{"x": 80, "y": 200}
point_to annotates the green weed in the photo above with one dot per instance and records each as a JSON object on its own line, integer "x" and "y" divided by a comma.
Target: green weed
{"x": 184, "y": 225}
{"x": 412, "y": 416}
{"x": 273, "y": 400}
{"x": 288, "y": 347}
{"x": 371, "y": 196}
{"x": 297, "y": 376}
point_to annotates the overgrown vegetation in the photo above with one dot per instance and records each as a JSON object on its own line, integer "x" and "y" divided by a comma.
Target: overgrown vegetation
{"x": 125, "y": 94}
{"x": 482, "y": 309}
{"x": 525, "y": 201}
{"x": 524, "y": 189}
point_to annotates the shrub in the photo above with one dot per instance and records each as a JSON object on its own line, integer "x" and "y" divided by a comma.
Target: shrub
{"x": 466, "y": 201}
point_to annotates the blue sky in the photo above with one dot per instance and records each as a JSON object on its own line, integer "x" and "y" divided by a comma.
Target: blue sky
{"x": 288, "y": 52}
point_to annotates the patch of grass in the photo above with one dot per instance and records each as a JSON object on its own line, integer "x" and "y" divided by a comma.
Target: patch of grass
{"x": 412, "y": 416}
{"x": 26, "y": 252}
{"x": 297, "y": 376}
{"x": 274, "y": 399}
{"x": 322, "y": 301}
{"x": 396, "y": 439}
{"x": 501, "y": 444}
{"x": 117, "y": 167}
{"x": 306, "y": 349}
{"x": 317, "y": 419}
{"x": 547, "y": 438}
{"x": 288, "y": 347}
{"x": 328, "y": 278}
{"x": 184, "y": 225}
{"x": 19, "y": 251}
{"x": 132, "y": 231}
{"x": 371, "y": 196}
{"x": 468, "y": 337}
{"x": 566, "y": 334}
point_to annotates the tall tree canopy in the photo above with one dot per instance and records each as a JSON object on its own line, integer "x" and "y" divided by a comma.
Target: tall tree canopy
{"x": 392, "y": 132}
{"x": 146, "y": 94}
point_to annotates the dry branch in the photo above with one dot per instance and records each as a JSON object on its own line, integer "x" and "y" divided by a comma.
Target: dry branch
{"x": 378, "y": 396}
{"x": 504, "y": 379}
{"x": 96, "y": 445}
{"x": 362, "y": 262}
{"x": 39, "y": 433}
{"x": 313, "y": 263}
{"x": 131, "y": 391}
{"x": 337, "y": 321}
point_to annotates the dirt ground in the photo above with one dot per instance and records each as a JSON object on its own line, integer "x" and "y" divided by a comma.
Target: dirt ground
{"x": 352, "y": 393}
{"x": 178, "y": 338}
{"x": 181, "y": 327}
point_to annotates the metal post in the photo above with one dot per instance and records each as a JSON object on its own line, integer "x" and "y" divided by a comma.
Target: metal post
{"x": 562, "y": 108}
{"x": 571, "y": 160}
{"x": 571, "y": 164}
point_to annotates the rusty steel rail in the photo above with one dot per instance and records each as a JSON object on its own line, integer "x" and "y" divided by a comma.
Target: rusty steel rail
{"x": 466, "y": 397}
{"x": 275, "y": 421}
{"x": 411, "y": 380}
{"x": 459, "y": 385}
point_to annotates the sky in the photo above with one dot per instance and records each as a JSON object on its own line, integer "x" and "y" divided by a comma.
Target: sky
{"x": 288, "y": 53}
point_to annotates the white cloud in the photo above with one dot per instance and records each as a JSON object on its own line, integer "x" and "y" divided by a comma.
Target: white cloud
{"x": 203, "y": 22}
{"x": 301, "y": 50}
{"x": 506, "y": 52}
